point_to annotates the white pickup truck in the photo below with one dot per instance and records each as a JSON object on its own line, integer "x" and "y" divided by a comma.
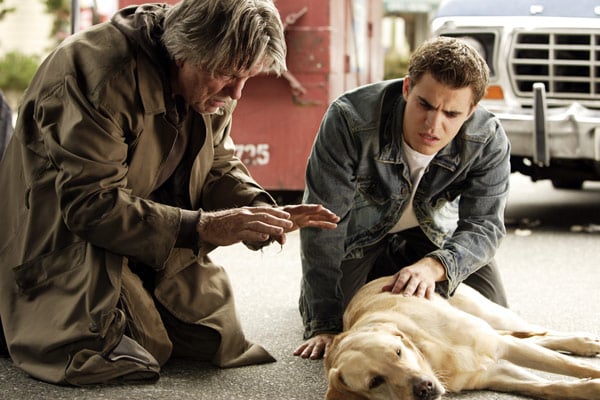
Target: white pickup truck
{"x": 544, "y": 58}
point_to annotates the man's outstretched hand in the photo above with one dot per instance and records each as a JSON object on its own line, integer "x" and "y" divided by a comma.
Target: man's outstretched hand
{"x": 308, "y": 216}
{"x": 311, "y": 216}
{"x": 259, "y": 226}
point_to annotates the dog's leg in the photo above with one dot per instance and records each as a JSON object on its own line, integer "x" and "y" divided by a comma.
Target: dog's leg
{"x": 579, "y": 344}
{"x": 500, "y": 318}
{"x": 530, "y": 355}
{"x": 506, "y": 377}
{"x": 507, "y": 322}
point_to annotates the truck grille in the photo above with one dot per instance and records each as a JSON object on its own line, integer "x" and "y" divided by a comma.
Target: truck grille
{"x": 568, "y": 64}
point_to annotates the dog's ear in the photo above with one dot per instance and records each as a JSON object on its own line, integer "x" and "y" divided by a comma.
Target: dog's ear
{"x": 333, "y": 381}
{"x": 335, "y": 390}
{"x": 334, "y": 394}
{"x": 392, "y": 328}
{"x": 332, "y": 350}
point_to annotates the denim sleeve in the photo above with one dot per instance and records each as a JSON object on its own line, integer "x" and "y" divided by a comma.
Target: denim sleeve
{"x": 330, "y": 181}
{"x": 5, "y": 124}
{"x": 480, "y": 227}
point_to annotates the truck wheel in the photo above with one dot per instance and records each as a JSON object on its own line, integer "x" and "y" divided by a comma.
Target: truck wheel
{"x": 571, "y": 184}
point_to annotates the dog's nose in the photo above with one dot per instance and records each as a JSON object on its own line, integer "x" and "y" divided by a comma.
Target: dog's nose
{"x": 424, "y": 389}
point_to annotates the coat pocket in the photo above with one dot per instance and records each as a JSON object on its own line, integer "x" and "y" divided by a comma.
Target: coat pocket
{"x": 42, "y": 270}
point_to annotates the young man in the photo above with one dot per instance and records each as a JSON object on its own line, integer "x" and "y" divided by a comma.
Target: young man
{"x": 119, "y": 159}
{"x": 418, "y": 174}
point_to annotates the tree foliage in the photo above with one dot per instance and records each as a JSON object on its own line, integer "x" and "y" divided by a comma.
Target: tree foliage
{"x": 4, "y": 9}
{"x": 17, "y": 70}
{"x": 61, "y": 10}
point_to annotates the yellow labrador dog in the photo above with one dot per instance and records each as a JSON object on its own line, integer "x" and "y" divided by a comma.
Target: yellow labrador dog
{"x": 409, "y": 348}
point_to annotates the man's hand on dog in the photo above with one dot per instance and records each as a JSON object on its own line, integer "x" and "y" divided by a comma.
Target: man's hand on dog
{"x": 316, "y": 347}
{"x": 418, "y": 279}
{"x": 415, "y": 280}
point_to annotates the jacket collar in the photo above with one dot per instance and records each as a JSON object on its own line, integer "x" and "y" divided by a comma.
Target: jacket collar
{"x": 143, "y": 27}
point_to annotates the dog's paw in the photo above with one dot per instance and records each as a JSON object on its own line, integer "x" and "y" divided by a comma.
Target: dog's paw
{"x": 589, "y": 388}
{"x": 587, "y": 346}
{"x": 577, "y": 344}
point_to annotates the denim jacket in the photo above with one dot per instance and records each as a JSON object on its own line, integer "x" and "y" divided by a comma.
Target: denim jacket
{"x": 357, "y": 170}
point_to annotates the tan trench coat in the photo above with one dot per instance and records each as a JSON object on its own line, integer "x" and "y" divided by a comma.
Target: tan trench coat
{"x": 89, "y": 145}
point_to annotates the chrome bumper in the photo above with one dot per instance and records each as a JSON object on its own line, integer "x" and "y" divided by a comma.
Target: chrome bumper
{"x": 542, "y": 133}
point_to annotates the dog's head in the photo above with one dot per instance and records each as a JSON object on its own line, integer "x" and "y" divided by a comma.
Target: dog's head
{"x": 378, "y": 363}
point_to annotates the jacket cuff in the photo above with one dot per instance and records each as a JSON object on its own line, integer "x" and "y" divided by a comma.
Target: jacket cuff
{"x": 188, "y": 229}
{"x": 189, "y": 237}
{"x": 314, "y": 328}
{"x": 446, "y": 288}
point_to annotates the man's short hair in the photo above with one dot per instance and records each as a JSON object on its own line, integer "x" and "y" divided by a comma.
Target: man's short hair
{"x": 226, "y": 36}
{"x": 453, "y": 62}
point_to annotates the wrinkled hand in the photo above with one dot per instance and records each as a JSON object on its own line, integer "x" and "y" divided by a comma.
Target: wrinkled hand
{"x": 311, "y": 216}
{"x": 316, "y": 347}
{"x": 417, "y": 279}
{"x": 307, "y": 216}
{"x": 251, "y": 224}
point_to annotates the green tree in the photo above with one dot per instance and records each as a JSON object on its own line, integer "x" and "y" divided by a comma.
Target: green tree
{"x": 61, "y": 9}
{"x": 16, "y": 71}
{"x": 4, "y": 9}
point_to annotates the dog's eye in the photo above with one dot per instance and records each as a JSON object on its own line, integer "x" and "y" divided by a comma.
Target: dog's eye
{"x": 398, "y": 352}
{"x": 376, "y": 382}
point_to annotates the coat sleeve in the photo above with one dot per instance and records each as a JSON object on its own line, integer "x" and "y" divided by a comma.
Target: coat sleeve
{"x": 90, "y": 153}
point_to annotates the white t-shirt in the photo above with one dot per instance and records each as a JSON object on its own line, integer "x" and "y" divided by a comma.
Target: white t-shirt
{"x": 417, "y": 163}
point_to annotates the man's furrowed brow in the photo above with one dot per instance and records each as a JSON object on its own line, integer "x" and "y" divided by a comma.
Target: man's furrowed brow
{"x": 424, "y": 102}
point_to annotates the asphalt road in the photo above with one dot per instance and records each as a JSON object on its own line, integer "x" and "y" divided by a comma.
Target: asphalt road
{"x": 551, "y": 269}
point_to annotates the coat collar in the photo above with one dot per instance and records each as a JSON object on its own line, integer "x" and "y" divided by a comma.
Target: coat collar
{"x": 152, "y": 83}
{"x": 143, "y": 27}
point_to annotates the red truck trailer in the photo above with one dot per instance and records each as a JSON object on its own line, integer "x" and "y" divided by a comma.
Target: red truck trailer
{"x": 333, "y": 46}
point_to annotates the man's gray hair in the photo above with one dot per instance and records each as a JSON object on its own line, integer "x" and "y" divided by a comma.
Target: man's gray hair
{"x": 226, "y": 37}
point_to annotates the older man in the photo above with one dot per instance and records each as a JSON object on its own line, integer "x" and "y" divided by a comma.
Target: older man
{"x": 120, "y": 178}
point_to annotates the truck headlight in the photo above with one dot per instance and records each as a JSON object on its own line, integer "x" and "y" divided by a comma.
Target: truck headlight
{"x": 482, "y": 42}
{"x": 476, "y": 44}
